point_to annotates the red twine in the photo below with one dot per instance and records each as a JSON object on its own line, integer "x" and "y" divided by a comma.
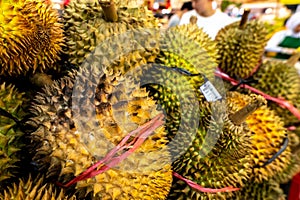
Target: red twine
{"x": 283, "y": 103}
{"x": 202, "y": 189}
{"x": 256, "y": 68}
{"x": 109, "y": 160}
{"x": 292, "y": 128}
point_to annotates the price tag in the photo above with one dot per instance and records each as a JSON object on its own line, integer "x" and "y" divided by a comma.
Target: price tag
{"x": 210, "y": 92}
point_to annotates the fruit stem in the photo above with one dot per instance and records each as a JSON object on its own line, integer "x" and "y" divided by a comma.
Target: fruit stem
{"x": 240, "y": 116}
{"x": 109, "y": 10}
{"x": 244, "y": 19}
{"x": 293, "y": 59}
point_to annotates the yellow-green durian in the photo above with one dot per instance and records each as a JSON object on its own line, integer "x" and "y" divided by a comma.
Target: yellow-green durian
{"x": 220, "y": 154}
{"x": 267, "y": 190}
{"x": 105, "y": 108}
{"x": 87, "y": 27}
{"x": 241, "y": 46}
{"x": 281, "y": 80}
{"x": 11, "y": 142}
{"x": 268, "y": 138}
{"x": 34, "y": 188}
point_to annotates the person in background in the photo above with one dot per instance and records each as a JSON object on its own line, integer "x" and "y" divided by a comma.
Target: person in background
{"x": 175, "y": 18}
{"x": 285, "y": 43}
{"x": 208, "y": 18}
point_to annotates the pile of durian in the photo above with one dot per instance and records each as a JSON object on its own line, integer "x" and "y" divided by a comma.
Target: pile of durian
{"x": 101, "y": 103}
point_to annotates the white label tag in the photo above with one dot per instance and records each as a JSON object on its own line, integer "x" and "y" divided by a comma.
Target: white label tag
{"x": 210, "y": 92}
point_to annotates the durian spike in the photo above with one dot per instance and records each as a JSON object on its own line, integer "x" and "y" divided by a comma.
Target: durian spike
{"x": 193, "y": 19}
{"x": 240, "y": 116}
{"x": 244, "y": 19}
{"x": 110, "y": 10}
{"x": 293, "y": 59}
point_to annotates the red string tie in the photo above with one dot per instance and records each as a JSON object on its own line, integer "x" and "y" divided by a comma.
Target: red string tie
{"x": 202, "y": 189}
{"x": 109, "y": 161}
{"x": 281, "y": 102}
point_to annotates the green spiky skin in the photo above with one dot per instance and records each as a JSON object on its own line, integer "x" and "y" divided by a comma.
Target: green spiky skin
{"x": 175, "y": 87}
{"x": 204, "y": 63}
{"x": 227, "y": 164}
{"x": 280, "y": 80}
{"x": 197, "y": 35}
{"x": 86, "y": 27}
{"x": 31, "y": 37}
{"x": 240, "y": 50}
{"x": 177, "y": 98}
{"x": 10, "y": 134}
{"x": 267, "y": 190}
{"x": 290, "y": 170}
{"x": 267, "y": 140}
{"x": 34, "y": 188}
{"x": 294, "y": 141}
{"x": 189, "y": 48}
{"x": 68, "y": 150}
{"x": 294, "y": 164}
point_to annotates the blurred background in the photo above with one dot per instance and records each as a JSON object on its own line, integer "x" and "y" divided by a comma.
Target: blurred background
{"x": 273, "y": 12}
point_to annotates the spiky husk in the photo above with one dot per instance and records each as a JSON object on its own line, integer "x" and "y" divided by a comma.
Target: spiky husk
{"x": 228, "y": 163}
{"x": 177, "y": 98}
{"x": 267, "y": 140}
{"x": 189, "y": 48}
{"x": 280, "y": 80}
{"x": 71, "y": 145}
{"x": 34, "y": 188}
{"x": 11, "y": 144}
{"x": 240, "y": 50}
{"x": 198, "y": 36}
{"x": 185, "y": 48}
{"x": 290, "y": 170}
{"x": 178, "y": 94}
{"x": 86, "y": 28}
{"x": 294, "y": 164}
{"x": 30, "y": 38}
{"x": 267, "y": 190}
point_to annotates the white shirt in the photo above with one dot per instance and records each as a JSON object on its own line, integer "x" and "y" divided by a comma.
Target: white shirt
{"x": 211, "y": 25}
{"x": 174, "y": 20}
{"x": 277, "y": 38}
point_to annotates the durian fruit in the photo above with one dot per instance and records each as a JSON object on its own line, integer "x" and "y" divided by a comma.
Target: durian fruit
{"x": 294, "y": 164}
{"x": 90, "y": 23}
{"x": 241, "y": 46}
{"x": 105, "y": 108}
{"x": 220, "y": 155}
{"x": 290, "y": 170}
{"x": 196, "y": 35}
{"x": 187, "y": 59}
{"x": 267, "y": 140}
{"x": 267, "y": 190}
{"x": 33, "y": 188}
{"x": 11, "y": 112}
{"x": 165, "y": 79}
{"x": 189, "y": 48}
{"x": 177, "y": 98}
{"x": 31, "y": 37}
{"x": 279, "y": 79}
